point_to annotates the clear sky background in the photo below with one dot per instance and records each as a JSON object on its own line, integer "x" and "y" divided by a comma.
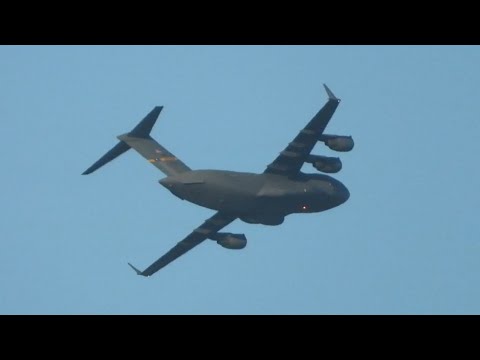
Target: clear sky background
{"x": 406, "y": 242}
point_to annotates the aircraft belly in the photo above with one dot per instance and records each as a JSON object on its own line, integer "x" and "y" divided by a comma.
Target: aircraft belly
{"x": 222, "y": 197}
{"x": 224, "y": 201}
{"x": 248, "y": 194}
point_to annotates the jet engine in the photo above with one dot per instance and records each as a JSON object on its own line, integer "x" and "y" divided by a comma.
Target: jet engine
{"x": 337, "y": 142}
{"x": 325, "y": 164}
{"x": 230, "y": 241}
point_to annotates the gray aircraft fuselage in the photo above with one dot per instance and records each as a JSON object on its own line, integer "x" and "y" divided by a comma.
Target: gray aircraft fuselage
{"x": 266, "y": 198}
{"x": 258, "y": 198}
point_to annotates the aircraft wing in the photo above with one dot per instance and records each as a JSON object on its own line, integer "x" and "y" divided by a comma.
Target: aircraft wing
{"x": 203, "y": 232}
{"x": 291, "y": 160}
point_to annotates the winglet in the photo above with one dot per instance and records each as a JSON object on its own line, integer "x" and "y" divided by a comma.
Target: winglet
{"x": 136, "y": 270}
{"x": 330, "y": 94}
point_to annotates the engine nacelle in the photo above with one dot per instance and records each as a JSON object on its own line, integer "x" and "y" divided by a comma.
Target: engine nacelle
{"x": 230, "y": 241}
{"x": 337, "y": 142}
{"x": 325, "y": 164}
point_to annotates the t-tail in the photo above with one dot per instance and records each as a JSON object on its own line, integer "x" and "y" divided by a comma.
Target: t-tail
{"x": 140, "y": 140}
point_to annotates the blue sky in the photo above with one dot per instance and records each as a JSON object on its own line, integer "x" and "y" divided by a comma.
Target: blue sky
{"x": 406, "y": 242}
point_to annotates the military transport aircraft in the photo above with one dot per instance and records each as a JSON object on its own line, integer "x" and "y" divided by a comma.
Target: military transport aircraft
{"x": 266, "y": 198}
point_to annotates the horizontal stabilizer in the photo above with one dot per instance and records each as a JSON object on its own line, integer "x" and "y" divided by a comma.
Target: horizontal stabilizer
{"x": 140, "y": 140}
{"x": 143, "y": 129}
{"x": 116, "y": 151}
